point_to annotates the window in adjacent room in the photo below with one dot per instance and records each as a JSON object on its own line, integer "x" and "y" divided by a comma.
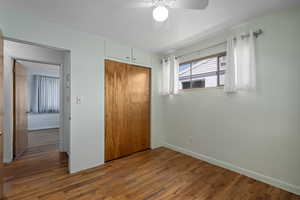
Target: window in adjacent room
{"x": 45, "y": 95}
{"x": 203, "y": 73}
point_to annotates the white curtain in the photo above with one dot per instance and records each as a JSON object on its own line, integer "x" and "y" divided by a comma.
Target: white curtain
{"x": 45, "y": 94}
{"x": 166, "y": 65}
{"x": 170, "y": 68}
{"x": 241, "y": 63}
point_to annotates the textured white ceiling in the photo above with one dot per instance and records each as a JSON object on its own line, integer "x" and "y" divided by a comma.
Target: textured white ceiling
{"x": 111, "y": 18}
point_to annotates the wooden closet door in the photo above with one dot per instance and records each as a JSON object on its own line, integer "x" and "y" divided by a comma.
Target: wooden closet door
{"x": 138, "y": 115}
{"x": 127, "y": 109}
{"x": 115, "y": 108}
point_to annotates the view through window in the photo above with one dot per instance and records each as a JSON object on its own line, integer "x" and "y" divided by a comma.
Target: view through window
{"x": 203, "y": 73}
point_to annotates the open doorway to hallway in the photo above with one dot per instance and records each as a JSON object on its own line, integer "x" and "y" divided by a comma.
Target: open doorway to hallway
{"x": 37, "y": 109}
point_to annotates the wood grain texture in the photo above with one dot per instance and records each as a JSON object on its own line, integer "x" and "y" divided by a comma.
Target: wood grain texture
{"x": 127, "y": 109}
{"x": 115, "y": 109}
{"x": 1, "y": 114}
{"x": 20, "y": 109}
{"x": 138, "y": 115}
{"x": 38, "y": 138}
{"x": 159, "y": 174}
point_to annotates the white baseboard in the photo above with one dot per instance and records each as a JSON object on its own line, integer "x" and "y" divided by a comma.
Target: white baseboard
{"x": 7, "y": 160}
{"x": 260, "y": 177}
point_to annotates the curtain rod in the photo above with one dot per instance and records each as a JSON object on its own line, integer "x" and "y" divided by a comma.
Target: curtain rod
{"x": 255, "y": 33}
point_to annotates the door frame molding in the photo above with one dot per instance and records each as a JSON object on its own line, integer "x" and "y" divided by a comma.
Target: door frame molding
{"x": 2, "y": 115}
{"x": 14, "y": 111}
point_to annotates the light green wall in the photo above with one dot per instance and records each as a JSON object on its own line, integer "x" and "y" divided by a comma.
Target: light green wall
{"x": 260, "y": 131}
{"x": 87, "y": 82}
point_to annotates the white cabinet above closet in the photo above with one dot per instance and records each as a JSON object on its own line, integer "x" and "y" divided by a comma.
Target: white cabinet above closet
{"x": 140, "y": 57}
{"x": 117, "y": 51}
{"x": 123, "y": 53}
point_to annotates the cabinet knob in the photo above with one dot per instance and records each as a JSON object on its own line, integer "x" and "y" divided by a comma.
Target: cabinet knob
{"x": 134, "y": 58}
{"x": 127, "y": 57}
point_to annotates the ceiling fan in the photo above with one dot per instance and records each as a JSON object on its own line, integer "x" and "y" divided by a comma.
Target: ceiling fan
{"x": 161, "y": 7}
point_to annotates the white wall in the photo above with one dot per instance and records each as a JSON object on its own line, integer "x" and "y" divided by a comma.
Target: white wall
{"x": 14, "y": 50}
{"x": 8, "y": 114}
{"x": 43, "y": 121}
{"x": 87, "y": 75}
{"x": 256, "y": 134}
{"x": 156, "y": 104}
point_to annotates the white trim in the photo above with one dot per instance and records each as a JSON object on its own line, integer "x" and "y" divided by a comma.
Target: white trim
{"x": 260, "y": 177}
{"x": 61, "y": 107}
{"x": 34, "y": 44}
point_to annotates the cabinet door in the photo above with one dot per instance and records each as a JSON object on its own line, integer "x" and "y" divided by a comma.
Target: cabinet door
{"x": 141, "y": 57}
{"x": 117, "y": 51}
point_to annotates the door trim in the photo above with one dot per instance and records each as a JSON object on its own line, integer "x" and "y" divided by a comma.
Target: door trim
{"x": 14, "y": 111}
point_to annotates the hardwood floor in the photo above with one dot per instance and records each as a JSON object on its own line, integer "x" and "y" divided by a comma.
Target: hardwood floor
{"x": 159, "y": 174}
{"x": 43, "y": 137}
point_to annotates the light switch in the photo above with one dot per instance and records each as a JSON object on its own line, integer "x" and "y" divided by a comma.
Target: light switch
{"x": 78, "y": 100}
{"x": 68, "y": 81}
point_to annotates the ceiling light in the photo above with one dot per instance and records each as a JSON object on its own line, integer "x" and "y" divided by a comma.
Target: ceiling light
{"x": 160, "y": 13}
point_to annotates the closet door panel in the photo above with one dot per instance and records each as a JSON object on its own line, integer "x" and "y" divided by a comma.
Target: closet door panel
{"x": 115, "y": 108}
{"x": 138, "y": 107}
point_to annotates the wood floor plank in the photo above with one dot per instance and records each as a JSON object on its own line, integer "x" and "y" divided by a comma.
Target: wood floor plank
{"x": 159, "y": 174}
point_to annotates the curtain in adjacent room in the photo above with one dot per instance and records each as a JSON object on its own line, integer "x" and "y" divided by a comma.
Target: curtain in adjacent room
{"x": 45, "y": 94}
{"x": 241, "y": 63}
{"x": 170, "y": 67}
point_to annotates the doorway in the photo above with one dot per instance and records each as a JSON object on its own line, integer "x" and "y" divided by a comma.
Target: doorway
{"x": 36, "y": 107}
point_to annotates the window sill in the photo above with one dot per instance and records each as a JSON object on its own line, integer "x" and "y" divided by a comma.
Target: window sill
{"x": 208, "y": 88}
{"x": 43, "y": 113}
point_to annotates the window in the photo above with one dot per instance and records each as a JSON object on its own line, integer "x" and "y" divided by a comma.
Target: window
{"x": 203, "y": 73}
{"x": 45, "y": 95}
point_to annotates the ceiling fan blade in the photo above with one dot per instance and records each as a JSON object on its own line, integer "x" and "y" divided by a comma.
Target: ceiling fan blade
{"x": 191, "y": 4}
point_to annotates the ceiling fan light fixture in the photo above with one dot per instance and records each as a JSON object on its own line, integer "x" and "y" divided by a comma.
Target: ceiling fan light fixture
{"x": 160, "y": 13}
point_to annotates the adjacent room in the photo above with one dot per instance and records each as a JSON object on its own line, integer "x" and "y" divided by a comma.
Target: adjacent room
{"x": 149, "y": 99}
{"x": 43, "y": 105}
{"x": 35, "y": 107}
